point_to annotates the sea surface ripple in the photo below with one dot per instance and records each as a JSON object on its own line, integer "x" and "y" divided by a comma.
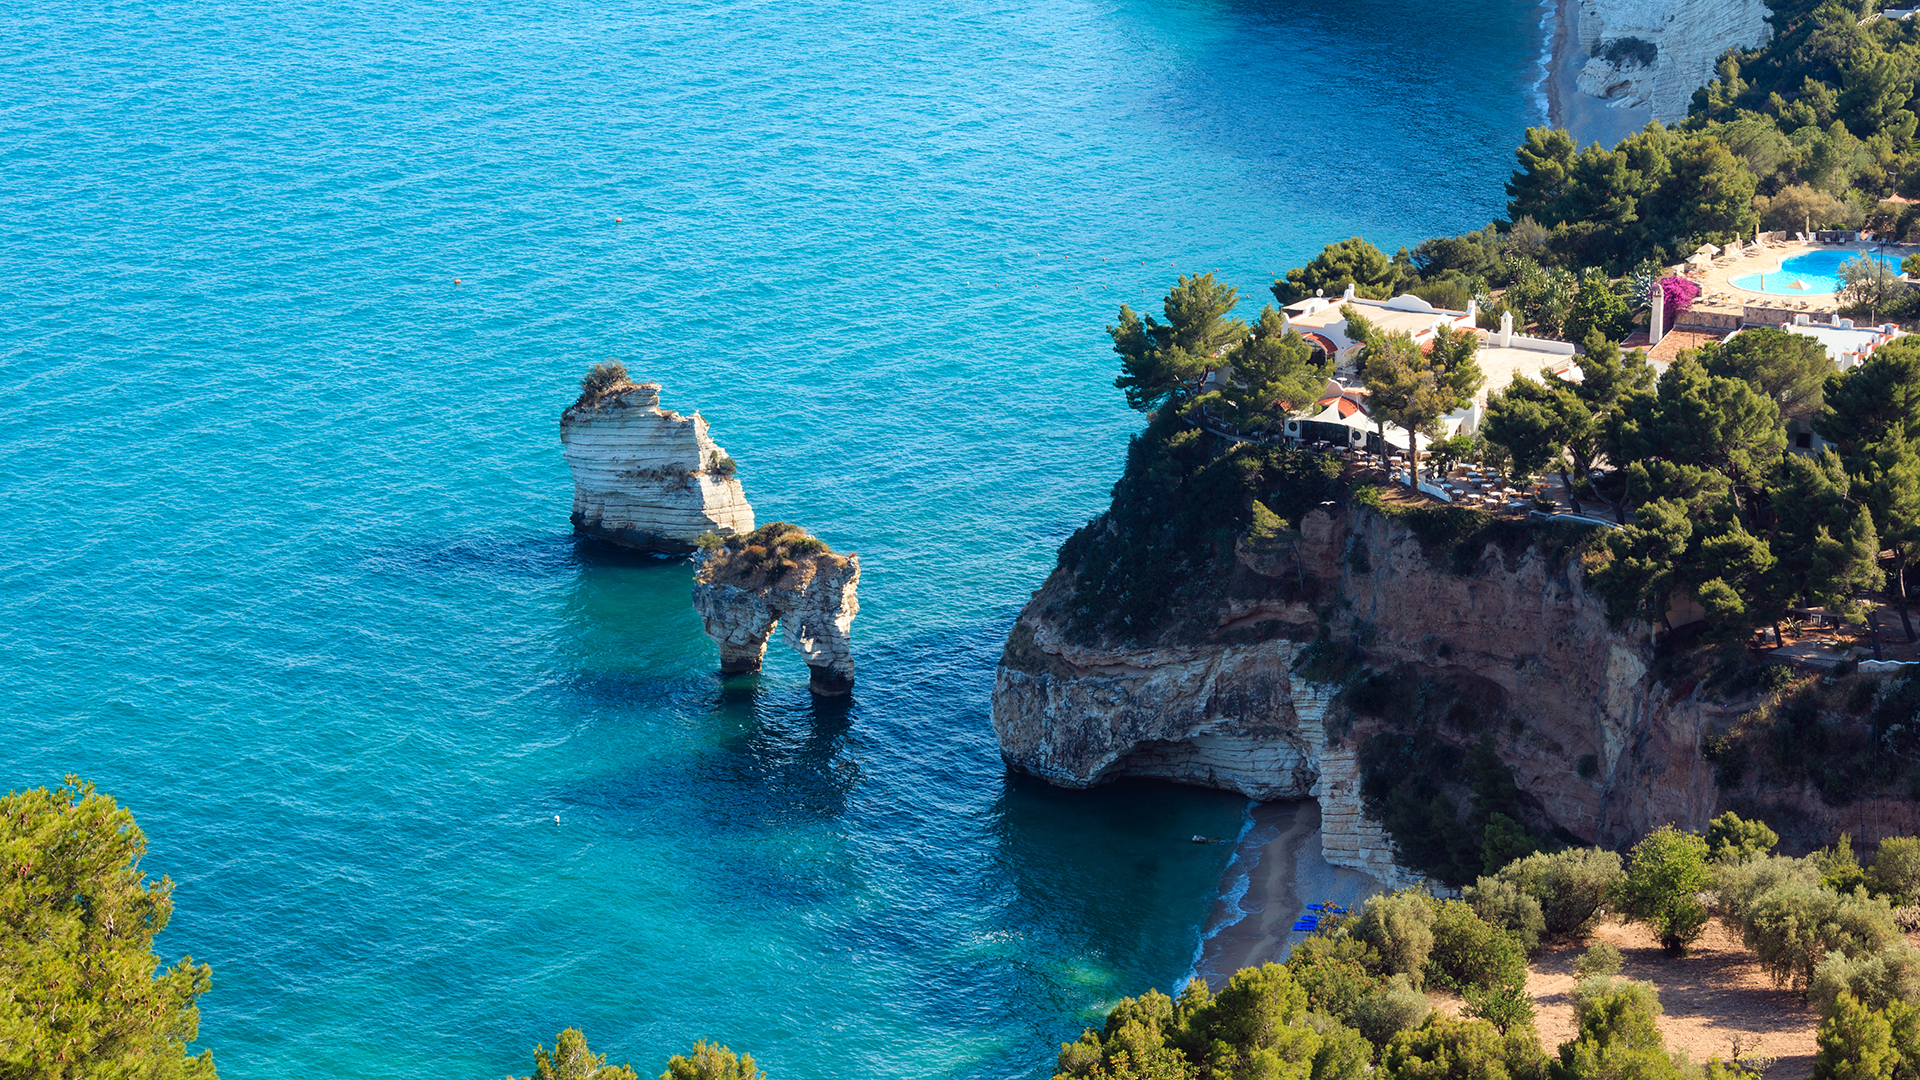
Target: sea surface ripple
{"x": 285, "y": 563}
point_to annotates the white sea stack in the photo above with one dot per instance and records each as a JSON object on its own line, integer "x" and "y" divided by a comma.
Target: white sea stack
{"x": 780, "y": 575}
{"x": 1688, "y": 36}
{"x": 646, "y": 478}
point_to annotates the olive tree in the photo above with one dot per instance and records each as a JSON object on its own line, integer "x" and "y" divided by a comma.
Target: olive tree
{"x": 1664, "y": 877}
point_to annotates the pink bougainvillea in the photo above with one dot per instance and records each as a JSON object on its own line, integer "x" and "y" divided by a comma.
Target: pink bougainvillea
{"x": 1680, "y": 293}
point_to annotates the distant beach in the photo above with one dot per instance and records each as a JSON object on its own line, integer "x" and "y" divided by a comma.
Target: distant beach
{"x": 1589, "y": 119}
{"x": 1277, "y": 870}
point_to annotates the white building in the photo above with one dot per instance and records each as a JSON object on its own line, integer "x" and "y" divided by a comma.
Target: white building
{"x": 1319, "y": 320}
{"x": 1341, "y": 414}
{"x": 1846, "y": 344}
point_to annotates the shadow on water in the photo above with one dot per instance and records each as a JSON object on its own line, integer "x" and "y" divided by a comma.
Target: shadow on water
{"x": 1089, "y": 863}
{"x": 740, "y": 759}
{"x": 755, "y": 780}
{"x": 543, "y": 556}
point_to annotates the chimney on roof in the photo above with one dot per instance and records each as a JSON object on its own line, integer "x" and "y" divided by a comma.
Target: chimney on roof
{"x": 1657, "y": 321}
{"x": 1473, "y": 310}
{"x": 1347, "y": 296}
{"x": 1506, "y": 329}
{"x": 1844, "y": 324}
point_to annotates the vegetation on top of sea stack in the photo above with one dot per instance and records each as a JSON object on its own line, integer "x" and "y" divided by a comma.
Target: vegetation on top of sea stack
{"x": 602, "y": 379}
{"x": 759, "y": 558}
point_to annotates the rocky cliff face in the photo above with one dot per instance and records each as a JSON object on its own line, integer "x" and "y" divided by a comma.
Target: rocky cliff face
{"x": 780, "y": 575}
{"x": 1657, "y": 52}
{"x": 1230, "y": 708}
{"x": 647, "y": 478}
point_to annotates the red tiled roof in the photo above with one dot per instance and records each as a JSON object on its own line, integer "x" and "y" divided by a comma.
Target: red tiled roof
{"x": 1325, "y": 343}
{"x": 1347, "y": 405}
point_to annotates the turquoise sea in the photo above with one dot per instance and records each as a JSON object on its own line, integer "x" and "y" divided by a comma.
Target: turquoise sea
{"x": 285, "y": 563}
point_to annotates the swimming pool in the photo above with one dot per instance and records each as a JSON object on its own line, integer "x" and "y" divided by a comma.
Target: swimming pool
{"x": 1805, "y": 275}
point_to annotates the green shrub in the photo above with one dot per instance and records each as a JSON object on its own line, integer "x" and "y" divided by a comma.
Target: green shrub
{"x": 1398, "y": 926}
{"x": 1469, "y": 953}
{"x": 1839, "y": 866}
{"x": 1334, "y": 970}
{"x": 1738, "y": 885}
{"x": 1856, "y": 1043}
{"x": 602, "y": 379}
{"x": 1618, "y": 1034}
{"x": 1572, "y": 886}
{"x": 1505, "y": 1007}
{"x": 1730, "y": 838}
{"x": 725, "y": 467}
{"x": 1877, "y": 980}
{"x": 1600, "y": 961}
{"x": 1664, "y": 878}
{"x": 1501, "y": 903}
{"x": 1452, "y": 1049}
{"x": 1389, "y": 1009}
{"x": 1406, "y": 775}
{"x": 1258, "y": 1025}
{"x": 1895, "y": 873}
{"x": 1251, "y": 1025}
{"x": 1503, "y": 841}
{"x": 1792, "y": 927}
{"x": 1344, "y": 1053}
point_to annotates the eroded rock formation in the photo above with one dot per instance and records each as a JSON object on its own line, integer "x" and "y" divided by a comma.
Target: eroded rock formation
{"x": 646, "y": 478}
{"x": 1232, "y": 708}
{"x": 780, "y": 575}
{"x": 1657, "y": 52}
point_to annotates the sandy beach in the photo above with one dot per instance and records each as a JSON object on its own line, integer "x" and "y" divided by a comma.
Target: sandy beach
{"x": 1587, "y": 118}
{"x": 1276, "y": 871}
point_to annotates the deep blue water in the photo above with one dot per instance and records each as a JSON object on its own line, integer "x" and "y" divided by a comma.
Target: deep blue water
{"x": 285, "y": 563}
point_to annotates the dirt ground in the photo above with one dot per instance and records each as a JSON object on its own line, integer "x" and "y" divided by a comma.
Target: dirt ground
{"x": 1713, "y": 994}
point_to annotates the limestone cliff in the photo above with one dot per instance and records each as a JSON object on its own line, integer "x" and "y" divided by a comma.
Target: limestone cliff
{"x": 647, "y": 478}
{"x": 1658, "y": 52}
{"x": 780, "y": 575}
{"x": 1597, "y": 746}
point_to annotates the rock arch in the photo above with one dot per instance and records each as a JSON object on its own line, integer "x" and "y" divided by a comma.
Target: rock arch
{"x": 780, "y": 575}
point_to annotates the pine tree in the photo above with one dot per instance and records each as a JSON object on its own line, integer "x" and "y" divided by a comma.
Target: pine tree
{"x": 1892, "y": 490}
{"x": 1160, "y": 362}
{"x": 81, "y": 995}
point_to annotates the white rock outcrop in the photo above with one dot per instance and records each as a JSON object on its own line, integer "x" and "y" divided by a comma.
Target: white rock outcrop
{"x": 780, "y": 575}
{"x": 647, "y": 478}
{"x": 1688, "y": 38}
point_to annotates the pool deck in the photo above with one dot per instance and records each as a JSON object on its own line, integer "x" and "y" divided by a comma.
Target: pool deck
{"x": 1724, "y": 305}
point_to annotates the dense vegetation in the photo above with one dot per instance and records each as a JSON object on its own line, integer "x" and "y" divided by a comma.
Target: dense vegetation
{"x": 82, "y": 995}
{"x": 1350, "y": 1001}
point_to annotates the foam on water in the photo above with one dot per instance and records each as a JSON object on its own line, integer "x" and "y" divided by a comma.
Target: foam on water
{"x": 286, "y": 564}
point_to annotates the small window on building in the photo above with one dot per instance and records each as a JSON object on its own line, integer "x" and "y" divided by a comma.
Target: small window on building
{"x": 1803, "y": 440}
